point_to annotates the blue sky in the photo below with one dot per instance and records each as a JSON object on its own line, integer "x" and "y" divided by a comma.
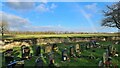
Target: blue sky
{"x": 55, "y": 16}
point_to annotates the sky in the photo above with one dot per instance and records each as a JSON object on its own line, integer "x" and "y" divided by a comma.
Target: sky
{"x": 55, "y": 16}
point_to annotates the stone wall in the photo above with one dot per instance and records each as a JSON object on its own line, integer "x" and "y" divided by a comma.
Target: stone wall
{"x": 40, "y": 41}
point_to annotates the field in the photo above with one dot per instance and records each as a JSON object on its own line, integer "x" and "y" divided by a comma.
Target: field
{"x": 22, "y": 36}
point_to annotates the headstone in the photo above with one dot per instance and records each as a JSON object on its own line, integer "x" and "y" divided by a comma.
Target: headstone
{"x": 26, "y": 53}
{"x": 51, "y": 59}
{"x": 48, "y": 49}
{"x": 38, "y": 50}
{"x": 72, "y": 51}
{"x": 55, "y": 47}
{"x": 77, "y": 50}
{"x": 8, "y": 56}
{"x": 64, "y": 55}
{"x": 105, "y": 57}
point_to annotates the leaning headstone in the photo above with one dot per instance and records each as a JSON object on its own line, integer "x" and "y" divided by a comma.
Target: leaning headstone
{"x": 38, "y": 50}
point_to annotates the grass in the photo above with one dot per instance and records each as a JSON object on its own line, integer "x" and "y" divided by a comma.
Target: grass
{"x": 73, "y": 61}
{"x": 23, "y": 36}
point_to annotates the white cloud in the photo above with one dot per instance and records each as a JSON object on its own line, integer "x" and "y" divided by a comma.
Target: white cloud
{"x": 14, "y": 22}
{"x": 92, "y": 7}
{"x": 46, "y": 8}
{"x": 42, "y": 8}
{"x": 17, "y": 23}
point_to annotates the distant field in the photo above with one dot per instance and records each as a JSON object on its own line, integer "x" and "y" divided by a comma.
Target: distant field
{"x": 22, "y": 36}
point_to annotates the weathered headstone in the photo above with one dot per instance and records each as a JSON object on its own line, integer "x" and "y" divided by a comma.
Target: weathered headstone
{"x": 48, "y": 49}
{"x": 38, "y": 50}
{"x": 72, "y": 51}
{"x": 77, "y": 49}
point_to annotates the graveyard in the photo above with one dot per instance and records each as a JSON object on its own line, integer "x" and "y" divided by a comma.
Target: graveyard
{"x": 65, "y": 54}
{"x": 65, "y": 34}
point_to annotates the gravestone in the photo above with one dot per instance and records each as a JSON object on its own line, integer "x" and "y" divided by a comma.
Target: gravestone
{"x": 39, "y": 63}
{"x": 72, "y": 51}
{"x": 64, "y": 55}
{"x": 105, "y": 57}
{"x": 51, "y": 59}
{"x": 38, "y": 50}
{"x": 77, "y": 50}
{"x": 8, "y": 56}
{"x": 48, "y": 49}
{"x": 55, "y": 47}
{"x": 25, "y": 52}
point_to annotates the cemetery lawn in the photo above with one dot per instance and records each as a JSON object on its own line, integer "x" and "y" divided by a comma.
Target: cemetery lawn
{"x": 84, "y": 61}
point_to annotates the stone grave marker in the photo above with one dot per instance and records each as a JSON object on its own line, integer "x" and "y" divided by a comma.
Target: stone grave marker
{"x": 55, "y": 47}
{"x": 8, "y": 56}
{"x": 38, "y": 50}
{"x": 72, "y": 51}
{"x": 26, "y": 53}
{"x": 77, "y": 50}
{"x": 48, "y": 49}
{"x": 64, "y": 55}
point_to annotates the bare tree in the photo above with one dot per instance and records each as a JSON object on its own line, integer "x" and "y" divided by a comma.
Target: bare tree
{"x": 3, "y": 28}
{"x": 112, "y": 16}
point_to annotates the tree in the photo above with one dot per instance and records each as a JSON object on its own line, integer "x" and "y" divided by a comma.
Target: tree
{"x": 112, "y": 16}
{"x": 3, "y": 28}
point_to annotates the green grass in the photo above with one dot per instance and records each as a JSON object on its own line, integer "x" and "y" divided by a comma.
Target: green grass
{"x": 73, "y": 61}
{"x": 23, "y": 36}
